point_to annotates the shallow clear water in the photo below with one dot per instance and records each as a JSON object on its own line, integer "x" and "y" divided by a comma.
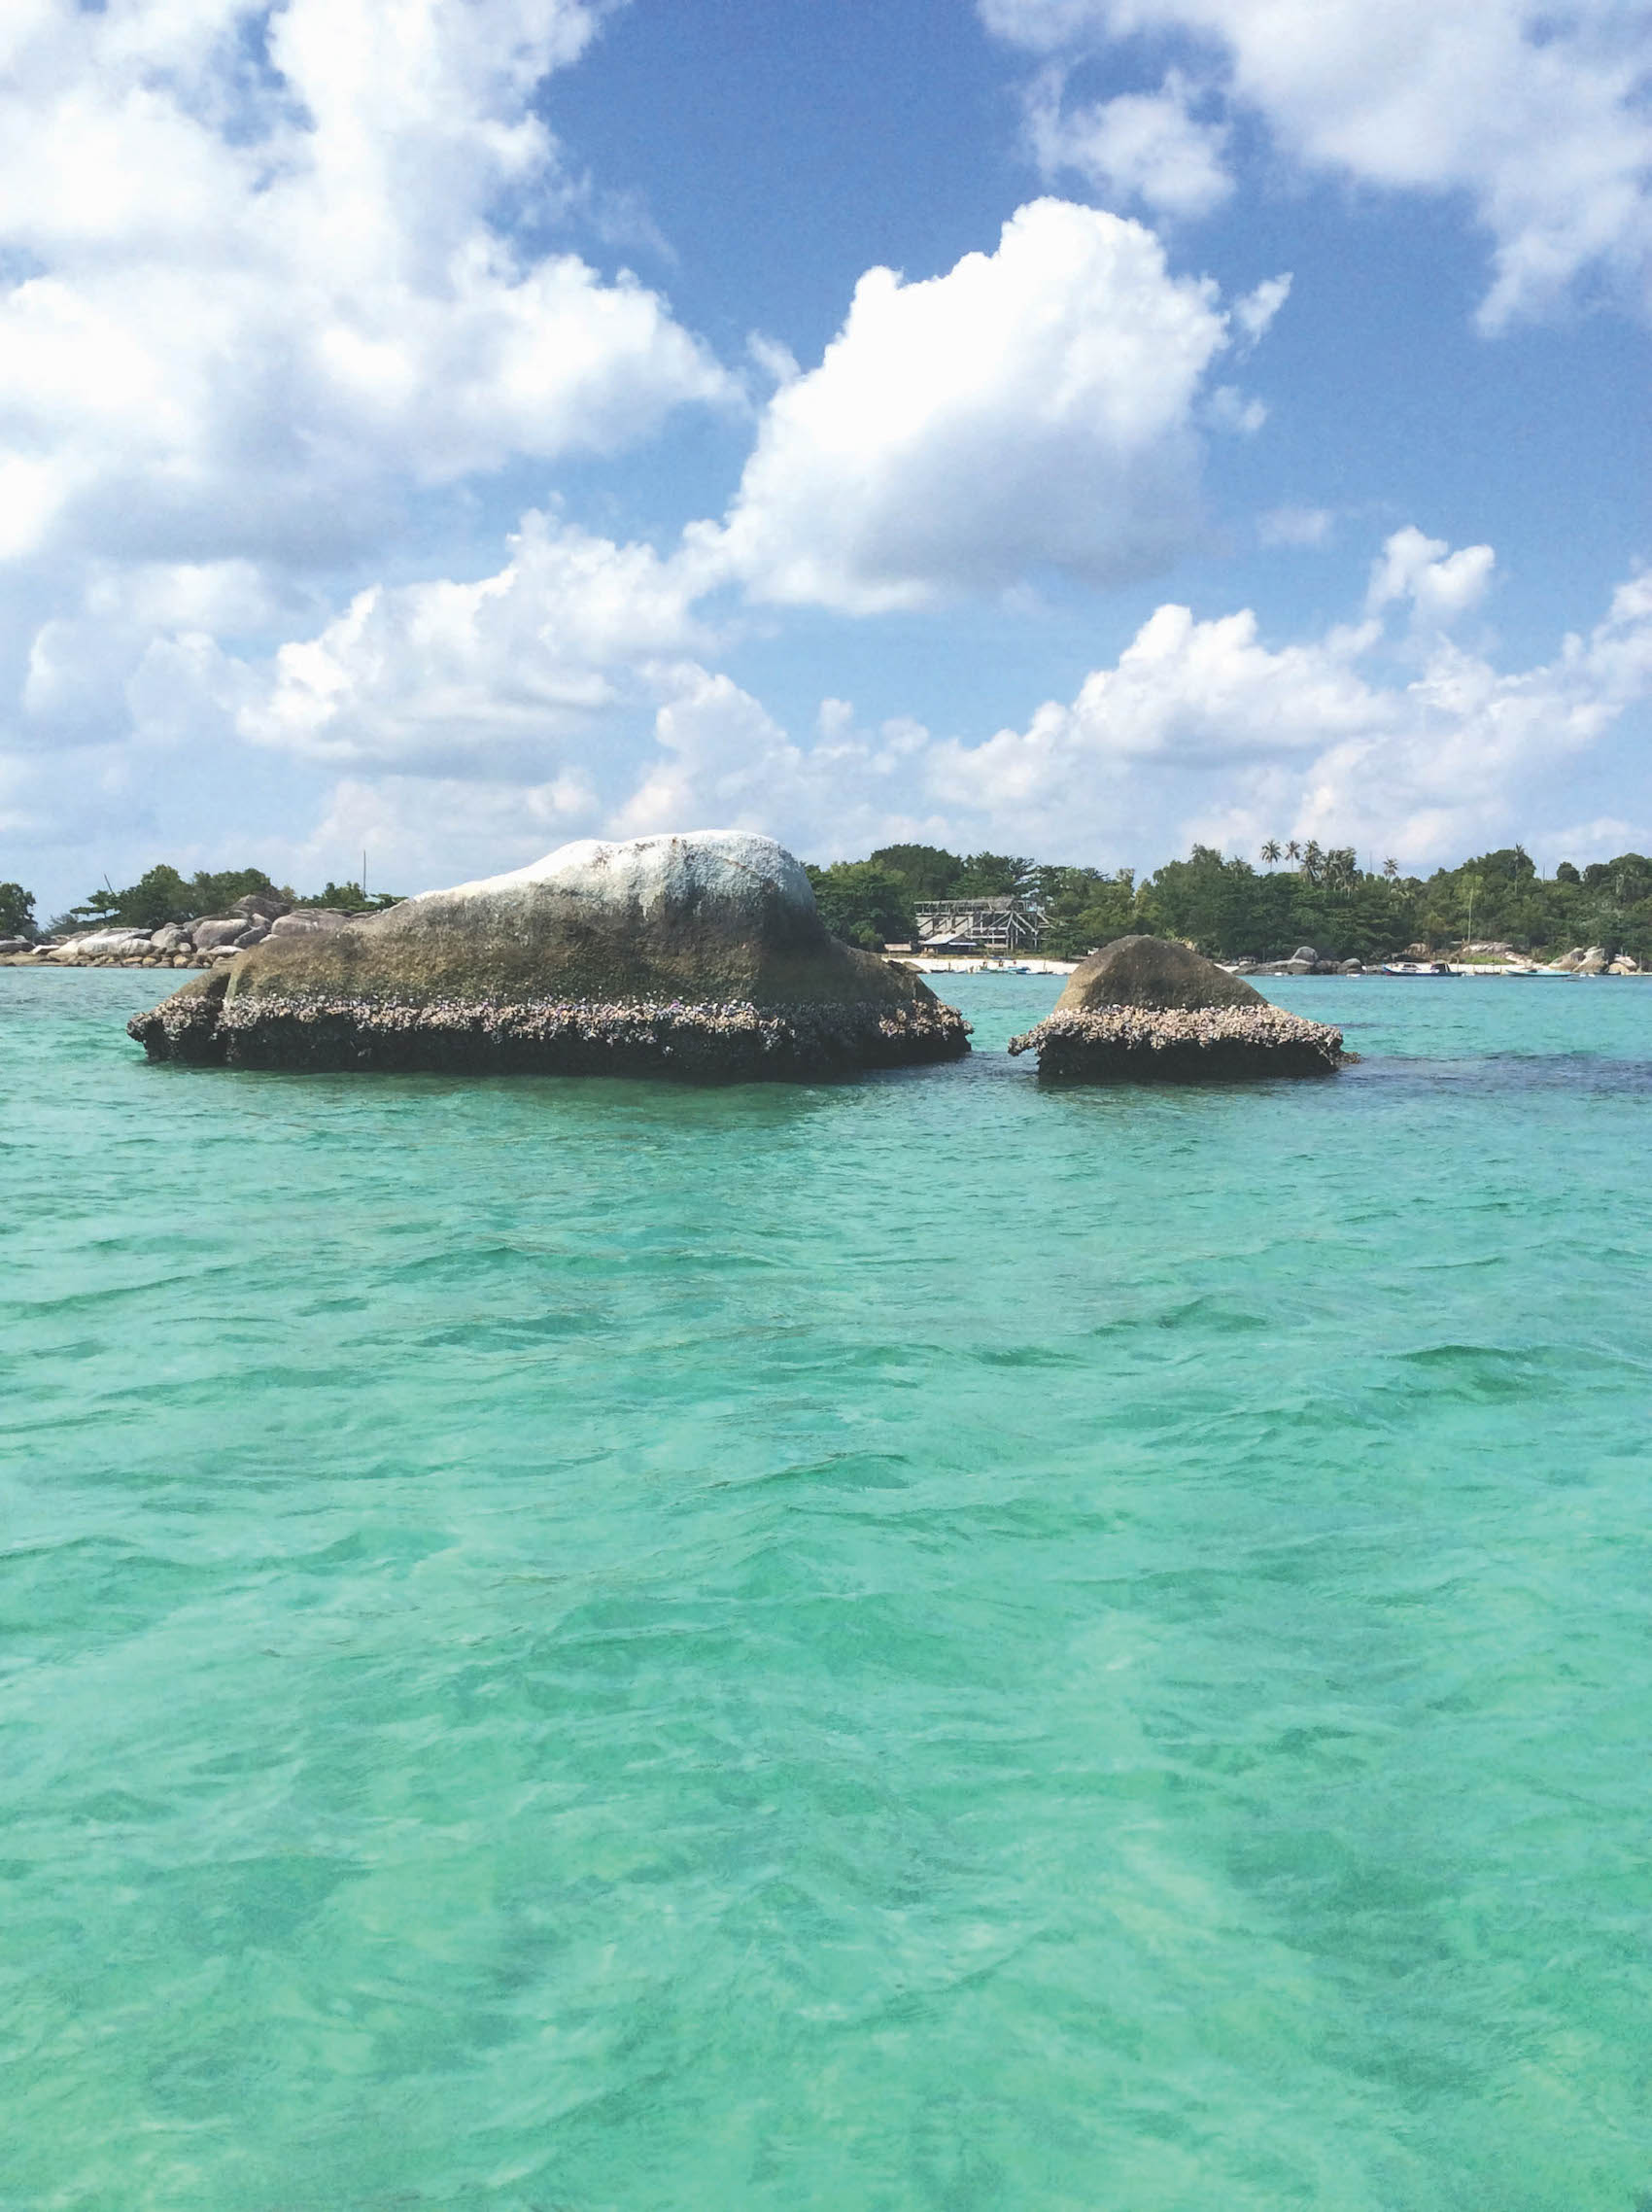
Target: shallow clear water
{"x": 918, "y": 1645}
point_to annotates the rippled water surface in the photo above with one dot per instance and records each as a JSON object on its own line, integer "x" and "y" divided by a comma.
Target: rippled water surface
{"x": 924, "y": 1644}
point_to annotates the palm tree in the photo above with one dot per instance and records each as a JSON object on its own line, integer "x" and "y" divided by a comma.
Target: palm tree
{"x": 1313, "y": 861}
{"x": 1293, "y": 852}
{"x": 1390, "y": 868}
{"x": 1270, "y": 851}
{"x": 1342, "y": 869}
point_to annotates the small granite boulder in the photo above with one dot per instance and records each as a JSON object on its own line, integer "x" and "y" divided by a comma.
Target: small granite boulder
{"x": 1146, "y": 1007}
{"x": 220, "y": 929}
{"x": 701, "y": 956}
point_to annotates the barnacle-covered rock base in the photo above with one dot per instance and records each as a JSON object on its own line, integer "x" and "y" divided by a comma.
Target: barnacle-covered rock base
{"x": 1124, "y": 1043}
{"x": 705, "y": 1044}
{"x": 700, "y": 957}
{"x": 1147, "y": 1009}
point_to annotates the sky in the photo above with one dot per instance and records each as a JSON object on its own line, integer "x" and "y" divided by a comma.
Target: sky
{"x": 446, "y": 429}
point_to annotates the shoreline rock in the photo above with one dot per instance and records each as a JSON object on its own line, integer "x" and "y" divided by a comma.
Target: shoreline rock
{"x": 700, "y": 957}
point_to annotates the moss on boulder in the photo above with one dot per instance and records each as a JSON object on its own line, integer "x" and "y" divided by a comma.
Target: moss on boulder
{"x": 700, "y": 955}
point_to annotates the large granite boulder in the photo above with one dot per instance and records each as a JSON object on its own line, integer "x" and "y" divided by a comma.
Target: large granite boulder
{"x": 220, "y": 929}
{"x": 701, "y": 956}
{"x": 104, "y": 944}
{"x": 1144, "y": 1006}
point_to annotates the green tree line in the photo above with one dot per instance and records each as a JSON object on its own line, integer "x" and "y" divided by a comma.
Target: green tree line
{"x": 164, "y": 894}
{"x": 1226, "y": 905}
{"x": 1293, "y": 894}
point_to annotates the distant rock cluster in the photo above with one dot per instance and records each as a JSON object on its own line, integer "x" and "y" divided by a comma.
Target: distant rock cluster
{"x": 203, "y": 944}
{"x": 1592, "y": 960}
{"x": 1304, "y": 962}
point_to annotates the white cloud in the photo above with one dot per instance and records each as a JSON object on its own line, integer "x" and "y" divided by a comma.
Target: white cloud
{"x": 1439, "y": 584}
{"x": 264, "y": 290}
{"x": 722, "y": 758}
{"x": 1201, "y": 728}
{"x": 1230, "y": 409}
{"x": 574, "y": 678}
{"x": 1539, "y": 118}
{"x": 1254, "y": 314}
{"x": 478, "y": 724}
{"x": 1295, "y": 526}
{"x": 1308, "y": 739}
{"x": 1603, "y": 838}
{"x": 420, "y": 833}
{"x": 530, "y": 661}
{"x": 772, "y": 360}
{"x": 1146, "y": 147}
{"x": 1030, "y": 409}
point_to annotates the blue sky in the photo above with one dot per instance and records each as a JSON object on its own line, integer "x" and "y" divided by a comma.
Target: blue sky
{"x": 1075, "y": 426}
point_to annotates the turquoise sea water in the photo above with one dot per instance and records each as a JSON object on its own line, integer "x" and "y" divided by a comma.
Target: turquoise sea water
{"x": 920, "y": 1644}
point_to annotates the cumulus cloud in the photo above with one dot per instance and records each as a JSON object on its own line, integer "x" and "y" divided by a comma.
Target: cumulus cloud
{"x": 257, "y": 283}
{"x": 420, "y": 832}
{"x": 1031, "y": 408}
{"x": 1305, "y": 527}
{"x": 722, "y": 757}
{"x": 466, "y": 727}
{"x": 1310, "y": 739}
{"x": 1200, "y": 728}
{"x": 534, "y": 658}
{"x": 1437, "y": 583}
{"x": 1229, "y": 410}
{"x": 574, "y": 677}
{"x": 1145, "y": 147}
{"x": 1538, "y": 118}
